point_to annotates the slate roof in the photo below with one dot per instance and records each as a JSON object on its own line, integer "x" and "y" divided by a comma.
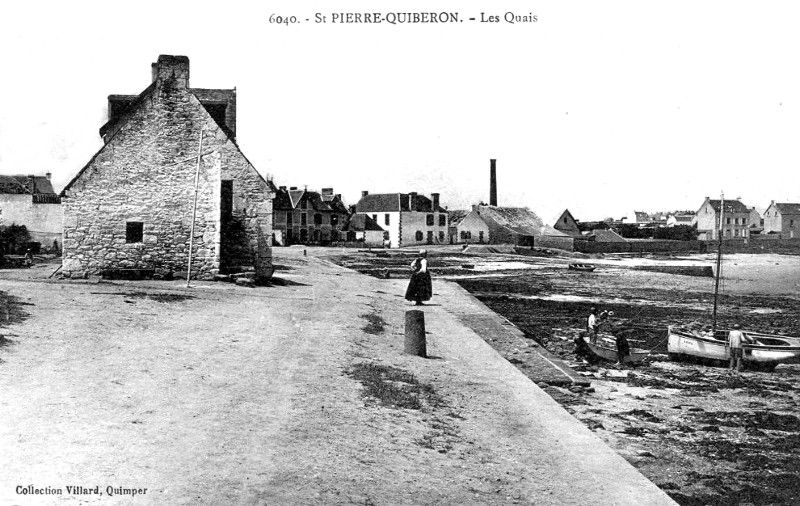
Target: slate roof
{"x": 786, "y": 208}
{"x": 519, "y": 220}
{"x": 731, "y": 206}
{"x": 392, "y": 202}
{"x": 286, "y": 200}
{"x": 603, "y": 235}
{"x": 22, "y": 185}
{"x": 361, "y": 223}
{"x": 457, "y": 216}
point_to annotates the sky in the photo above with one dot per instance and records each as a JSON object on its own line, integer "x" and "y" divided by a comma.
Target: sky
{"x": 599, "y": 107}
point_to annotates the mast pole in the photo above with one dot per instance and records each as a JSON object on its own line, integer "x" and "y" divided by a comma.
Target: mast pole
{"x": 194, "y": 208}
{"x": 719, "y": 260}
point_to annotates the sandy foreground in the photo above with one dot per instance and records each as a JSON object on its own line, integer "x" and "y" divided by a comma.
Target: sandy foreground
{"x": 298, "y": 393}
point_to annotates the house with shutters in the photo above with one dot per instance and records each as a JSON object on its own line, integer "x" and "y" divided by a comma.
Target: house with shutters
{"x": 734, "y": 214}
{"x": 30, "y": 201}
{"x": 168, "y": 185}
{"x": 782, "y": 218}
{"x": 467, "y": 227}
{"x": 307, "y": 217}
{"x": 409, "y": 218}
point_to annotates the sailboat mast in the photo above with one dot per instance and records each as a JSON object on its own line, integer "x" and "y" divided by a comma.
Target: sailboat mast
{"x": 719, "y": 260}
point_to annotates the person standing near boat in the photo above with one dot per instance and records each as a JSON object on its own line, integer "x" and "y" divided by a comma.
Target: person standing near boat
{"x": 420, "y": 287}
{"x": 591, "y": 326}
{"x": 735, "y": 341}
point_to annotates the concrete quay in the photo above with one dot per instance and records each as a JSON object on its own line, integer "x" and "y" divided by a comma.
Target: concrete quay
{"x": 233, "y": 395}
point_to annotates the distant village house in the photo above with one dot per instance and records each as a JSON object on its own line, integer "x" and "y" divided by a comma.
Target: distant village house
{"x": 132, "y": 205}
{"x": 30, "y": 201}
{"x": 736, "y": 218}
{"x": 782, "y": 218}
{"x": 409, "y": 218}
{"x": 307, "y": 217}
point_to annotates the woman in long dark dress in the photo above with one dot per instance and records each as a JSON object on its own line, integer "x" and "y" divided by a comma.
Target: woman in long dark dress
{"x": 419, "y": 287}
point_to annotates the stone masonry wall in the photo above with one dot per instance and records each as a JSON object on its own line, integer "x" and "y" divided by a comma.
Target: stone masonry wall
{"x": 146, "y": 173}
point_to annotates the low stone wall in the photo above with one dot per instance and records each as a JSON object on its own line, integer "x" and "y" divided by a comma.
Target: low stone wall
{"x": 640, "y": 246}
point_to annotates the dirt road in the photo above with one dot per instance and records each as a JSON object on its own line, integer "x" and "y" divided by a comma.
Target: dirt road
{"x": 228, "y": 395}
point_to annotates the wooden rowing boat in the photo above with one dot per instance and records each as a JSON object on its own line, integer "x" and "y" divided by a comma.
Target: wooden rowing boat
{"x": 606, "y": 348}
{"x": 582, "y": 267}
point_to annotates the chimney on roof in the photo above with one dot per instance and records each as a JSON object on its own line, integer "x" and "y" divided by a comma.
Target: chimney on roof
{"x": 292, "y": 188}
{"x": 282, "y": 188}
{"x": 492, "y": 182}
{"x": 411, "y": 196}
{"x": 48, "y": 175}
{"x": 173, "y": 70}
{"x": 327, "y": 191}
{"x": 153, "y": 72}
{"x": 364, "y": 193}
{"x": 31, "y": 184}
{"x": 434, "y": 202}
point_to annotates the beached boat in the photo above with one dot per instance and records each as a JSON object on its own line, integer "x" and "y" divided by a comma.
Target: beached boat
{"x": 763, "y": 350}
{"x": 582, "y": 267}
{"x": 606, "y": 349}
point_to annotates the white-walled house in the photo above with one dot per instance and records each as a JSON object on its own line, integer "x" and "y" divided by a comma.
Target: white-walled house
{"x": 782, "y": 218}
{"x": 409, "y": 218}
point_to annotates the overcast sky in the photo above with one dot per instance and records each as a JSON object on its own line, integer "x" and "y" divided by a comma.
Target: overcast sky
{"x": 600, "y": 107}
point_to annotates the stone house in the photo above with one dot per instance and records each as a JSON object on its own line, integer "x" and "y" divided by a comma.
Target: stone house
{"x": 467, "y": 227}
{"x": 362, "y": 228}
{"x": 510, "y": 225}
{"x": 167, "y": 152}
{"x": 31, "y": 201}
{"x": 568, "y": 224}
{"x": 409, "y": 218}
{"x": 736, "y": 218}
{"x": 307, "y": 217}
{"x": 783, "y": 219}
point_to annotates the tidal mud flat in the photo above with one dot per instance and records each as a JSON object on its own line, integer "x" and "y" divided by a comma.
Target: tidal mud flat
{"x": 701, "y": 434}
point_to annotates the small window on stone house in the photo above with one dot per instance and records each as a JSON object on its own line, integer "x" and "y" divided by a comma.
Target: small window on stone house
{"x": 317, "y": 219}
{"x": 386, "y": 219}
{"x": 334, "y": 219}
{"x": 429, "y": 220}
{"x": 303, "y": 219}
{"x": 134, "y": 231}
{"x": 375, "y": 218}
{"x": 419, "y": 235}
{"x": 442, "y": 220}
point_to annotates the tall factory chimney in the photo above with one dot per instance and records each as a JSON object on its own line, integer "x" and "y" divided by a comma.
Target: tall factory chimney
{"x": 492, "y": 182}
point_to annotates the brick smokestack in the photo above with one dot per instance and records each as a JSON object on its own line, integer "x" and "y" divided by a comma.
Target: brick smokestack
{"x": 492, "y": 182}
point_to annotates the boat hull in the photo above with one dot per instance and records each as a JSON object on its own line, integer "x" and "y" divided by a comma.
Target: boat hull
{"x": 767, "y": 350}
{"x": 582, "y": 267}
{"x": 605, "y": 348}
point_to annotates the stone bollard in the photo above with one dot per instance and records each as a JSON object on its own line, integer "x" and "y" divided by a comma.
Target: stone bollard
{"x": 415, "y": 333}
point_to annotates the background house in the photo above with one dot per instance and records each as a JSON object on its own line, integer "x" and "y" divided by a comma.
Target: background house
{"x": 307, "y": 217}
{"x": 132, "y": 205}
{"x": 409, "y": 218}
{"x": 736, "y": 218}
{"x": 517, "y": 225}
{"x": 783, "y": 219}
{"x": 567, "y": 224}
{"x": 362, "y": 228}
{"x": 680, "y": 218}
{"x": 468, "y": 227}
{"x": 31, "y": 201}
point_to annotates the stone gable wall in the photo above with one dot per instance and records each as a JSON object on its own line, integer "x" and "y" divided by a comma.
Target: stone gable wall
{"x": 142, "y": 174}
